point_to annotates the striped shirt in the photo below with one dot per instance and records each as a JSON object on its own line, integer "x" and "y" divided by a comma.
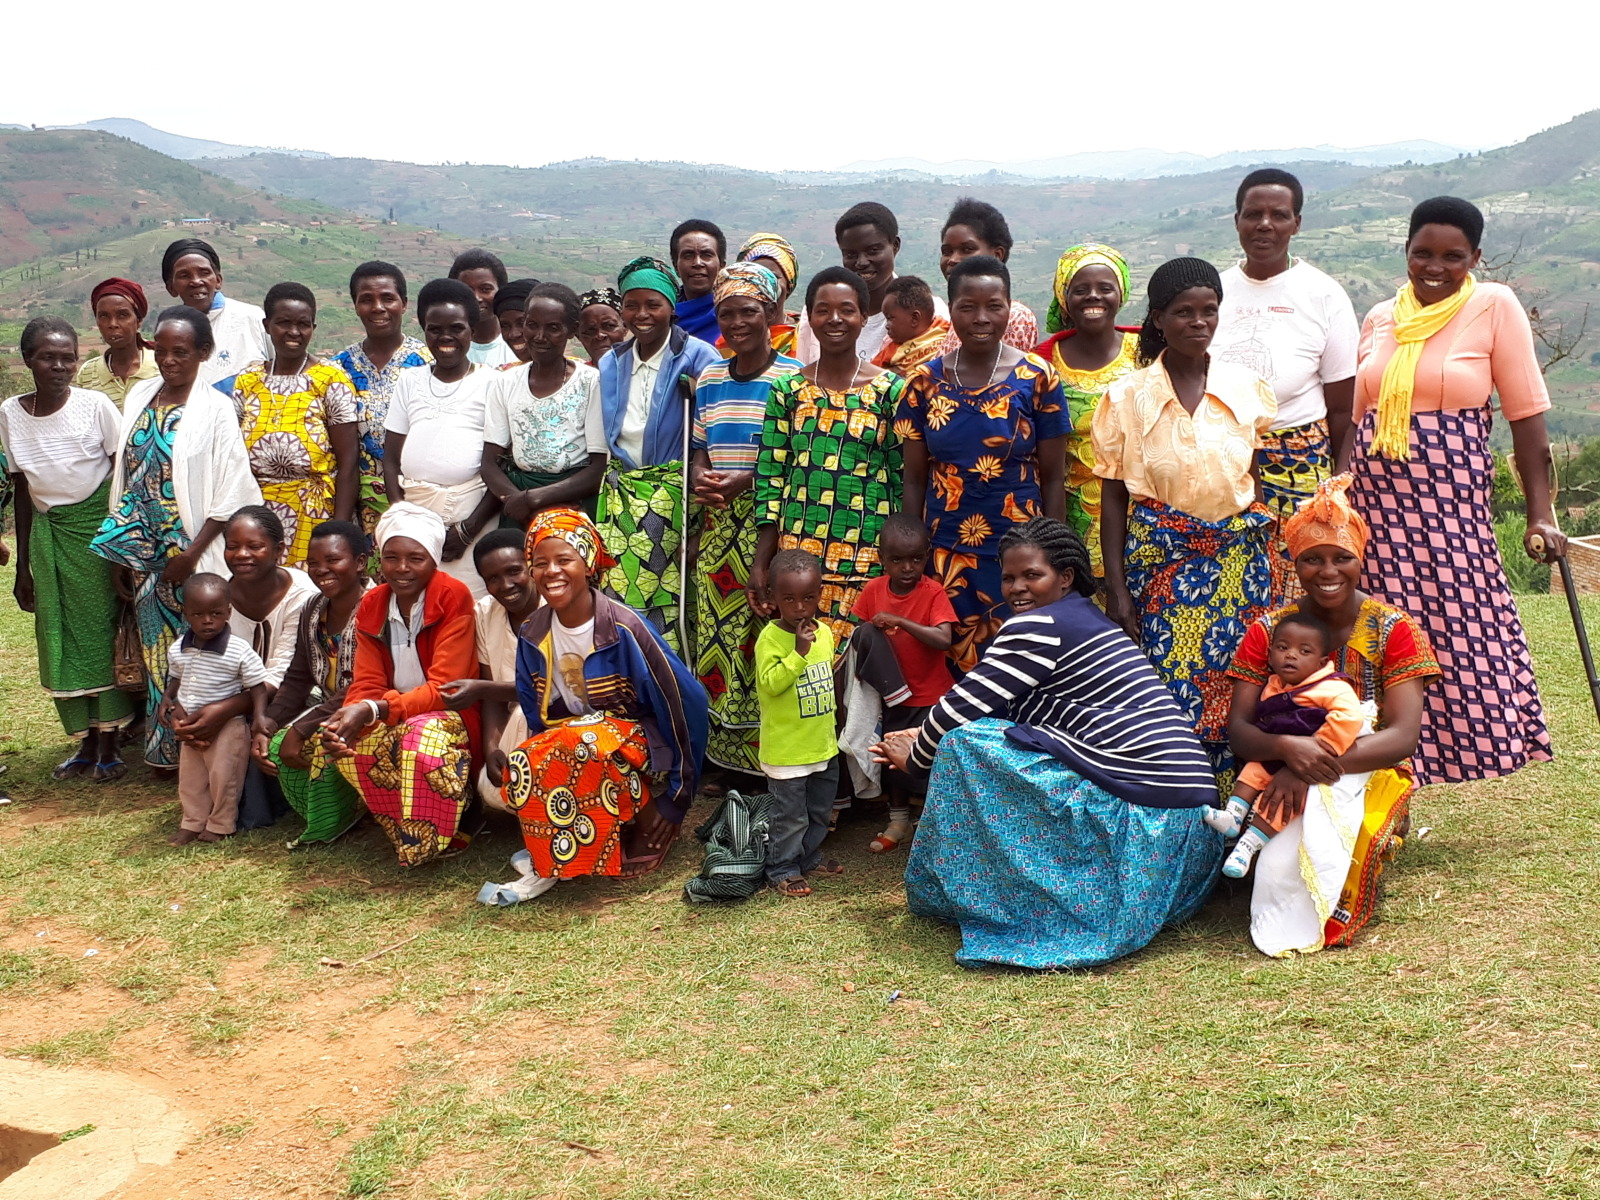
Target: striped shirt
{"x": 728, "y": 412}
{"x": 1077, "y": 688}
{"x": 208, "y": 672}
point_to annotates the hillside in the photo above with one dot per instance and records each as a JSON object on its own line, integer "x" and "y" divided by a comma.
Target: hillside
{"x": 176, "y": 144}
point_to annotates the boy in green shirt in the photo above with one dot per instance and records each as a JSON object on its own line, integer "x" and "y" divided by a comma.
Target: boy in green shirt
{"x": 799, "y": 739}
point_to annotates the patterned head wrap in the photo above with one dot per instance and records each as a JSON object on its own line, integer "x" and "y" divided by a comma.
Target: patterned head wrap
{"x": 1327, "y": 520}
{"x": 610, "y": 297}
{"x": 771, "y": 246}
{"x": 574, "y": 528}
{"x": 1088, "y": 254}
{"x": 407, "y": 520}
{"x": 746, "y": 279}
{"x": 652, "y": 273}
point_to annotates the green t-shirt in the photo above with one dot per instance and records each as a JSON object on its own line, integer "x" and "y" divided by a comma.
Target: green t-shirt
{"x": 797, "y": 721}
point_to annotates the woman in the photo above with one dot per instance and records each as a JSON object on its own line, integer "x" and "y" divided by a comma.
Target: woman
{"x": 394, "y": 739}
{"x": 119, "y": 307}
{"x": 984, "y": 432}
{"x": 1343, "y": 828}
{"x": 59, "y": 445}
{"x": 1186, "y": 568}
{"x": 1430, "y": 359}
{"x": 776, "y": 255}
{"x": 181, "y": 472}
{"x": 1090, "y": 352}
{"x": 298, "y": 417}
{"x": 288, "y": 742}
{"x": 646, "y": 392}
{"x": 610, "y": 708}
{"x": 973, "y": 228}
{"x": 509, "y": 309}
{"x": 1293, "y": 326}
{"x": 1063, "y": 822}
{"x": 192, "y": 272}
{"x": 730, "y": 406}
{"x": 544, "y": 441}
{"x": 267, "y": 596}
{"x": 829, "y": 467}
{"x": 600, "y": 324}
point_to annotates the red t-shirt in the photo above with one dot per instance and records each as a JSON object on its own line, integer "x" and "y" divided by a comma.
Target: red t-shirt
{"x": 927, "y": 670}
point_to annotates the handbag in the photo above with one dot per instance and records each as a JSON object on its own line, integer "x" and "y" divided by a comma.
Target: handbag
{"x": 127, "y": 653}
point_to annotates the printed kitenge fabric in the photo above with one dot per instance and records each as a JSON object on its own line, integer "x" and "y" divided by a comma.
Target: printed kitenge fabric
{"x": 1082, "y": 391}
{"x": 285, "y": 420}
{"x": 1040, "y": 867}
{"x": 374, "y": 388}
{"x": 725, "y": 633}
{"x": 827, "y": 476}
{"x": 1433, "y": 550}
{"x": 323, "y": 797}
{"x": 640, "y": 519}
{"x": 142, "y": 532}
{"x": 1196, "y": 586}
{"x": 983, "y": 478}
{"x": 573, "y": 788}
{"x": 1292, "y": 462}
{"x": 416, "y": 778}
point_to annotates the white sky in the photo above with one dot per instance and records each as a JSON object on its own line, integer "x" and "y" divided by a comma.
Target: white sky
{"x": 558, "y": 79}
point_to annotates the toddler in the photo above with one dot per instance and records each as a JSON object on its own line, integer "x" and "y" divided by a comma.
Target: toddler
{"x": 799, "y": 744}
{"x": 913, "y": 328}
{"x": 207, "y": 666}
{"x": 1303, "y": 697}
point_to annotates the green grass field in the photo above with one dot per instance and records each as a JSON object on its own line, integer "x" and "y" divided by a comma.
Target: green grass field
{"x": 610, "y": 1041}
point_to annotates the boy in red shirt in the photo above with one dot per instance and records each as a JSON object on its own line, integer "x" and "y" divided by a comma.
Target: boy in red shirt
{"x": 916, "y": 617}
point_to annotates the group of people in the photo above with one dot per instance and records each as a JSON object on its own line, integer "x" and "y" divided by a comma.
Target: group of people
{"x": 1056, "y": 591}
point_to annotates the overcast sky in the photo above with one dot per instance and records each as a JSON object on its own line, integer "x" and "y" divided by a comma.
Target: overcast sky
{"x": 806, "y": 86}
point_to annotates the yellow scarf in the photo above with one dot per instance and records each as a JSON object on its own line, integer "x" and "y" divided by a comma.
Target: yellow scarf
{"x": 1414, "y": 324}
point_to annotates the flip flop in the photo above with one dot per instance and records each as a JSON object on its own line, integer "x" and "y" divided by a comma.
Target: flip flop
{"x": 828, "y": 866}
{"x": 793, "y": 888}
{"x": 643, "y": 864}
{"x": 75, "y": 766}
{"x": 108, "y": 772}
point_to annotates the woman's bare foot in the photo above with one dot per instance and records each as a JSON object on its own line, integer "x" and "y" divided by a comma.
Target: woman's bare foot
{"x": 183, "y": 837}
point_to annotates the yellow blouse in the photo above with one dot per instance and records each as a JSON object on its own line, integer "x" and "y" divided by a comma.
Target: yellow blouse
{"x": 95, "y": 374}
{"x": 1197, "y": 464}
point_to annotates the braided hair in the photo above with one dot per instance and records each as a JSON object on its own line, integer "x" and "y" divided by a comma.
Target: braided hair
{"x": 1061, "y": 546}
{"x": 1171, "y": 279}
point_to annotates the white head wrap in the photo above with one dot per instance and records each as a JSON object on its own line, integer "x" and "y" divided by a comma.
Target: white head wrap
{"x": 407, "y": 520}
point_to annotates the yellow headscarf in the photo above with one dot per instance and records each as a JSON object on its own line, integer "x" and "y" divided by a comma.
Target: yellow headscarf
{"x": 775, "y": 249}
{"x": 1074, "y": 260}
{"x": 1414, "y": 324}
{"x": 573, "y": 527}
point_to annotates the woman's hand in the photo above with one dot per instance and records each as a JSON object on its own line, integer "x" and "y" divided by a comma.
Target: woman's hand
{"x": 496, "y": 763}
{"x": 179, "y": 567}
{"x": 1543, "y": 541}
{"x": 651, "y": 831}
{"x": 205, "y": 725}
{"x": 23, "y": 590}
{"x": 343, "y": 730}
{"x": 1309, "y": 759}
{"x": 1284, "y": 798}
{"x": 456, "y": 543}
{"x": 462, "y": 694}
{"x": 895, "y": 748}
{"x": 122, "y": 581}
{"x": 755, "y": 592}
{"x": 520, "y": 507}
{"x": 292, "y": 751}
{"x": 261, "y": 743}
{"x": 1120, "y": 608}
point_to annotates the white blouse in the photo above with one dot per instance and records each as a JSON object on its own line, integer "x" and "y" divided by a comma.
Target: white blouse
{"x": 64, "y": 456}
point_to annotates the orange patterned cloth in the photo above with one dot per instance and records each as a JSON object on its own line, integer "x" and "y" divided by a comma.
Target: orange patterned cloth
{"x": 904, "y": 357}
{"x": 1327, "y": 520}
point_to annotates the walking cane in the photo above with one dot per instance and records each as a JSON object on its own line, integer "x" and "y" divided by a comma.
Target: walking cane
{"x": 1537, "y": 544}
{"x": 686, "y": 386}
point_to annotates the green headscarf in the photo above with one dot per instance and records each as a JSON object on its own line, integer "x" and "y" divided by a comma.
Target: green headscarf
{"x": 652, "y": 273}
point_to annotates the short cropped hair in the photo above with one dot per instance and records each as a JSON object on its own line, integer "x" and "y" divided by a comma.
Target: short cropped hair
{"x": 910, "y": 293}
{"x": 1269, "y": 177}
{"x": 447, "y": 291}
{"x": 376, "y": 269}
{"x": 868, "y": 212}
{"x": 696, "y": 225}
{"x": 474, "y": 260}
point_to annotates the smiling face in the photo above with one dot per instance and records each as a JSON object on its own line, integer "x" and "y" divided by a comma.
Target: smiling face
{"x": 513, "y": 333}
{"x": 1028, "y": 581}
{"x": 194, "y": 281}
{"x": 1189, "y": 322}
{"x": 334, "y": 567}
{"x": 54, "y": 362}
{"x": 506, "y": 578}
{"x": 1438, "y": 260}
{"x": 698, "y": 262}
{"x": 289, "y": 328}
{"x": 785, "y": 288}
{"x": 206, "y": 610}
{"x": 743, "y": 321}
{"x": 836, "y": 317}
{"x": 176, "y": 356}
{"x": 600, "y": 327}
{"x": 249, "y": 552}
{"x": 1266, "y": 221}
{"x": 545, "y": 329}
{"x": 448, "y": 333}
{"x": 1093, "y": 298}
{"x": 797, "y": 594}
{"x": 647, "y": 314}
{"x": 1329, "y": 574}
{"x": 979, "y": 311}
{"x": 117, "y": 321}
{"x": 866, "y": 250}
{"x": 407, "y": 567}
{"x": 484, "y": 286}
{"x": 560, "y": 574}
{"x": 963, "y": 241}
{"x": 379, "y": 306}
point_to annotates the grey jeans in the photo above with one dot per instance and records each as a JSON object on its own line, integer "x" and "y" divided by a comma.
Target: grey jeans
{"x": 798, "y": 821}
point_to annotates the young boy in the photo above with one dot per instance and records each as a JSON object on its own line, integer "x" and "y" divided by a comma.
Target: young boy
{"x": 918, "y": 620}
{"x": 1303, "y": 698}
{"x": 915, "y": 330}
{"x": 209, "y": 666}
{"x": 799, "y": 742}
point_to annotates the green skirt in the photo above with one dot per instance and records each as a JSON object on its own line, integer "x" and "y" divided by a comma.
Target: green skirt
{"x": 322, "y": 796}
{"x": 524, "y": 480}
{"x": 640, "y": 517}
{"x": 725, "y": 634}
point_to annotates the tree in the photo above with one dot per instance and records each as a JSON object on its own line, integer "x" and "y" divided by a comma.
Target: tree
{"x": 1559, "y": 336}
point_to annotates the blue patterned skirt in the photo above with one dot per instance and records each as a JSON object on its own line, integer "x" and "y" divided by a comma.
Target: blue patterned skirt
{"x": 1041, "y": 868}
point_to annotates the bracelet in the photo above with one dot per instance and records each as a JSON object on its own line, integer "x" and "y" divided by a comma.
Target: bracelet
{"x": 372, "y": 707}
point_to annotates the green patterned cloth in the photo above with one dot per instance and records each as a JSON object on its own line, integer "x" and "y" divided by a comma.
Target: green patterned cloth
{"x": 640, "y": 518}
{"x": 322, "y": 796}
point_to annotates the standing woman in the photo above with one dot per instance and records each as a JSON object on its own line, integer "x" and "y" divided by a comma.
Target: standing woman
{"x": 829, "y": 468}
{"x": 600, "y": 324}
{"x": 1186, "y": 566}
{"x": 646, "y": 390}
{"x": 776, "y": 255}
{"x": 181, "y": 472}
{"x": 1090, "y": 352}
{"x": 192, "y": 271}
{"x": 119, "y": 307}
{"x": 730, "y": 407}
{"x": 59, "y": 444}
{"x": 972, "y": 228}
{"x": 1430, "y": 359}
{"x": 298, "y": 417}
{"x": 984, "y": 432}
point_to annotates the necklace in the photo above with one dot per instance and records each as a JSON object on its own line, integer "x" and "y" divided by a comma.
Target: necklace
{"x": 961, "y": 383}
{"x": 305, "y": 361}
{"x": 454, "y": 387}
{"x": 848, "y": 383}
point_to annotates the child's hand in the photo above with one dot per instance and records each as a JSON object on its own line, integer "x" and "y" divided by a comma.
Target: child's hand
{"x": 888, "y": 621}
{"x": 805, "y": 634}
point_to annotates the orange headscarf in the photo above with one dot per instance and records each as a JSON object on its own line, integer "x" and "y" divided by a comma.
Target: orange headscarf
{"x": 1327, "y": 520}
{"x": 574, "y": 528}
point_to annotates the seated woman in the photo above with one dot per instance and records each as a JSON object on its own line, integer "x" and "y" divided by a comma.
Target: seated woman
{"x": 1063, "y": 823}
{"x": 610, "y": 708}
{"x": 394, "y": 738}
{"x": 1343, "y": 834}
{"x": 288, "y": 742}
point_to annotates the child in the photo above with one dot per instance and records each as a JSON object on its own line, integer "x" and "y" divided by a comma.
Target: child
{"x": 916, "y": 617}
{"x": 208, "y": 666}
{"x": 799, "y": 745}
{"x": 1303, "y": 698}
{"x": 915, "y": 330}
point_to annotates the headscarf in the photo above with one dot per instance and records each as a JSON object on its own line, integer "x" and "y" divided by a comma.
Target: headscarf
{"x": 1414, "y": 324}
{"x": 652, "y": 273}
{"x": 183, "y": 246}
{"x": 1327, "y": 519}
{"x": 130, "y": 291}
{"x": 514, "y": 296}
{"x": 746, "y": 279}
{"x": 771, "y": 246}
{"x": 610, "y": 297}
{"x": 1086, "y": 254}
{"x": 407, "y": 520}
{"x": 574, "y": 528}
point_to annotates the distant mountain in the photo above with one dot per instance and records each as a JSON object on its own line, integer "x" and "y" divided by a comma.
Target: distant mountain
{"x": 175, "y": 145}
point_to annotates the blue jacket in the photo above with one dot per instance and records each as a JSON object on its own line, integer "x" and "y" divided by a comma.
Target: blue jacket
{"x": 686, "y": 357}
{"x": 630, "y": 673}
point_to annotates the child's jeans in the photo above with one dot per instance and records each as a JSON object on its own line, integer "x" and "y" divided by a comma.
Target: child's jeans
{"x": 798, "y": 821}
{"x": 210, "y": 780}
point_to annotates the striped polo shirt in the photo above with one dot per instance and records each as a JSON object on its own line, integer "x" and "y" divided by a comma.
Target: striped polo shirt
{"x": 728, "y": 412}
{"x": 211, "y": 671}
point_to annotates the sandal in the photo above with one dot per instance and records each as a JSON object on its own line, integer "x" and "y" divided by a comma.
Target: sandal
{"x": 643, "y": 864}
{"x": 108, "y": 772}
{"x": 75, "y": 766}
{"x": 828, "y": 866}
{"x": 793, "y": 888}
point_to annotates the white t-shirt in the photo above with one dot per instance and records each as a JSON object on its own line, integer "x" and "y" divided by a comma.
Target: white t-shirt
{"x": 65, "y": 455}
{"x": 403, "y": 634}
{"x": 551, "y": 433}
{"x": 491, "y": 354}
{"x": 641, "y": 394}
{"x": 571, "y": 647}
{"x": 442, "y": 424}
{"x": 241, "y": 340}
{"x": 873, "y": 335}
{"x": 1296, "y": 330}
{"x": 274, "y": 638}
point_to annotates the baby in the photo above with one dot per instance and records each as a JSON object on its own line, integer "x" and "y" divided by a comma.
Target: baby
{"x": 1304, "y": 697}
{"x": 914, "y": 329}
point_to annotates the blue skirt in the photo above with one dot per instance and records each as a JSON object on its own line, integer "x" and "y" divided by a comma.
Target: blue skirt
{"x": 1041, "y": 868}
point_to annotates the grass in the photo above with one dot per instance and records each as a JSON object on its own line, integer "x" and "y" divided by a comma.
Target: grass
{"x": 617, "y": 1043}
